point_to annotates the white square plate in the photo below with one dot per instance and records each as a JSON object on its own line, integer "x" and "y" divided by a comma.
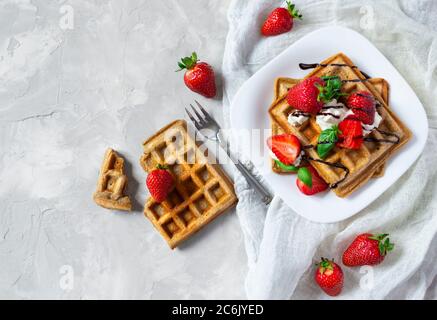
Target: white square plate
{"x": 249, "y": 110}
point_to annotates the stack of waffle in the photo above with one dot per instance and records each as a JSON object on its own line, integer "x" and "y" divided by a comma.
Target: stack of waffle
{"x": 362, "y": 164}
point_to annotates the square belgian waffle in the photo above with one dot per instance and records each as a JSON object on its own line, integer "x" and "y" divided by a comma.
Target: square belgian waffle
{"x": 353, "y": 167}
{"x": 282, "y": 85}
{"x": 112, "y": 183}
{"x": 202, "y": 190}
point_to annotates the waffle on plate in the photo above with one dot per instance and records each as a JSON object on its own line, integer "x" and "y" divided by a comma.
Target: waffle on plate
{"x": 354, "y": 166}
{"x": 202, "y": 190}
{"x": 281, "y": 87}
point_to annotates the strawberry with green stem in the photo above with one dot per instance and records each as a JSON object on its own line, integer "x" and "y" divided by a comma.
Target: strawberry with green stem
{"x": 311, "y": 94}
{"x": 329, "y": 277}
{"x": 199, "y": 76}
{"x": 280, "y": 20}
{"x": 367, "y": 249}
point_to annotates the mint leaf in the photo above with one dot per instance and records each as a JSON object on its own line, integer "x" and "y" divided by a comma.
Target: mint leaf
{"x": 304, "y": 175}
{"x": 286, "y": 167}
{"x": 326, "y": 141}
{"x": 331, "y": 90}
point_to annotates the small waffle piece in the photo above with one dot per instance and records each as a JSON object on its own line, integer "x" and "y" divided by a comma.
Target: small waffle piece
{"x": 112, "y": 183}
{"x": 202, "y": 190}
{"x": 358, "y": 166}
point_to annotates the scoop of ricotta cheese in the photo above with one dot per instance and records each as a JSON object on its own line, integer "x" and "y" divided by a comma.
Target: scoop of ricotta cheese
{"x": 331, "y": 114}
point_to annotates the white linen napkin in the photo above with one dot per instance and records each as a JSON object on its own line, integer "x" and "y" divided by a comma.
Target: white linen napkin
{"x": 281, "y": 246}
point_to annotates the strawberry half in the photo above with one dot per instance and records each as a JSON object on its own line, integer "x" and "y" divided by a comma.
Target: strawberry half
{"x": 329, "y": 277}
{"x": 286, "y": 147}
{"x": 351, "y": 133}
{"x": 305, "y": 95}
{"x": 363, "y": 105}
{"x": 309, "y": 181}
{"x": 280, "y": 20}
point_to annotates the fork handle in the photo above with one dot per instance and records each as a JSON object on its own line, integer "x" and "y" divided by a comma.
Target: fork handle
{"x": 253, "y": 182}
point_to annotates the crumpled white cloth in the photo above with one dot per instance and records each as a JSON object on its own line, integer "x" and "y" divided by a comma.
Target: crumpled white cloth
{"x": 281, "y": 246}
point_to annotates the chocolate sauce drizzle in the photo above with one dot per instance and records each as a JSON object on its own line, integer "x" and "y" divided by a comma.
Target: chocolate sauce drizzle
{"x": 339, "y": 106}
{"x": 306, "y": 66}
{"x": 331, "y": 164}
{"x": 299, "y": 113}
{"x": 385, "y": 133}
{"x": 328, "y": 114}
{"x": 355, "y": 80}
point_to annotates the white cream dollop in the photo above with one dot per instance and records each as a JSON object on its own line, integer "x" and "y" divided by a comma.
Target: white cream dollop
{"x": 328, "y": 117}
{"x": 296, "y": 162}
{"x": 297, "y": 120}
{"x": 368, "y": 128}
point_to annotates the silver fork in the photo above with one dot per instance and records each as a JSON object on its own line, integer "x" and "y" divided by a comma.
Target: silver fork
{"x": 205, "y": 121}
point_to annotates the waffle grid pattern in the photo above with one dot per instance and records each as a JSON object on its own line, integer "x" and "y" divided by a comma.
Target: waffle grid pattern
{"x": 201, "y": 191}
{"x": 112, "y": 183}
{"x": 362, "y": 163}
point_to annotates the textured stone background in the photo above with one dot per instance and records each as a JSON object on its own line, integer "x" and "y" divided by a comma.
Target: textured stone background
{"x": 72, "y": 85}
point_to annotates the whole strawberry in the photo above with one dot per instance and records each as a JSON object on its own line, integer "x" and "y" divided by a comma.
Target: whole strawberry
{"x": 305, "y": 95}
{"x": 159, "y": 182}
{"x": 329, "y": 277}
{"x": 367, "y": 249}
{"x": 280, "y": 20}
{"x": 363, "y": 105}
{"x": 199, "y": 76}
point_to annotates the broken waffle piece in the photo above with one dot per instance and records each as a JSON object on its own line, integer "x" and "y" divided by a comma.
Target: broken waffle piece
{"x": 112, "y": 183}
{"x": 202, "y": 190}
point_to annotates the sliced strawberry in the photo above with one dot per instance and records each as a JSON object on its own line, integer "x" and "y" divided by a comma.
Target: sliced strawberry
{"x": 286, "y": 147}
{"x": 304, "y": 96}
{"x": 351, "y": 133}
{"x": 363, "y": 105}
{"x": 312, "y": 184}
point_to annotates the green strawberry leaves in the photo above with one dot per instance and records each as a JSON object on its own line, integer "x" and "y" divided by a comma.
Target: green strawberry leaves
{"x": 384, "y": 246}
{"x": 188, "y": 62}
{"x": 327, "y": 140}
{"x": 331, "y": 90}
{"x": 325, "y": 264}
{"x": 286, "y": 167}
{"x": 293, "y": 11}
{"x": 304, "y": 175}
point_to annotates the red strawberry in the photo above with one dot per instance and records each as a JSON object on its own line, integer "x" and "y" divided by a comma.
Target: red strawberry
{"x": 363, "y": 105}
{"x": 159, "y": 182}
{"x": 309, "y": 182}
{"x": 280, "y": 20}
{"x": 351, "y": 134}
{"x": 199, "y": 76}
{"x": 329, "y": 277}
{"x": 305, "y": 95}
{"x": 286, "y": 147}
{"x": 367, "y": 249}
